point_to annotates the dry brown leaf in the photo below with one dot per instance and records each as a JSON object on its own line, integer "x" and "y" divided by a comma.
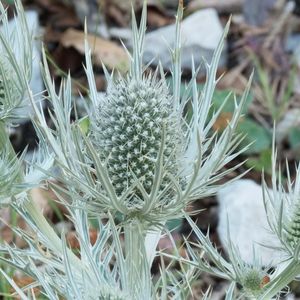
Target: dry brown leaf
{"x": 40, "y": 197}
{"x": 73, "y": 242}
{"x": 111, "y": 54}
{"x": 222, "y": 121}
{"x": 156, "y": 18}
{"x": 6, "y": 231}
{"x": 234, "y": 79}
{"x": 23, "y": 282}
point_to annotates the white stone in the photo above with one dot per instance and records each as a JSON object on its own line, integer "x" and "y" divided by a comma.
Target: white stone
{"x": 201, "y": 33}
{"x": 241, "y": 205}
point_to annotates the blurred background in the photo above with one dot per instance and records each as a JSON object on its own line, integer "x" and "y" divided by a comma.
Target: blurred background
{"x": 264, "y": 36}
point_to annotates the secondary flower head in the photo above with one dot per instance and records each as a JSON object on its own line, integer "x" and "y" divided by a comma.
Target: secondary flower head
{"x": 283, "y": 210}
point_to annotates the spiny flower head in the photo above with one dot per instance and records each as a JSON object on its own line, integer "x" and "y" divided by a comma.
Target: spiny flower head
{"x": 252, "y": 281}
{"x": 155, "y": 158}
{"x": 130, "y": 124}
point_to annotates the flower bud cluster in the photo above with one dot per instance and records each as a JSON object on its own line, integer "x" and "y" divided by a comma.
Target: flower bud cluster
{"x": 254, "y": 280}
{"x": 131, "y": 121}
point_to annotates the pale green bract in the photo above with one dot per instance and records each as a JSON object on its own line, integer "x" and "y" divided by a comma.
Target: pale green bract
{"x": 15, "y": 63}
{"x": 9, "y": 176}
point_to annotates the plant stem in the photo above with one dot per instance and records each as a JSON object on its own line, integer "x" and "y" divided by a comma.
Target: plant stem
{"x": 139, "y": 275}
{"x": 151, "y": 240}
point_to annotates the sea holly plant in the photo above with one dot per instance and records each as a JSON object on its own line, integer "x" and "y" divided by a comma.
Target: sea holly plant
{"x": 141, "y": 161}
{"x": 148, "y": 152}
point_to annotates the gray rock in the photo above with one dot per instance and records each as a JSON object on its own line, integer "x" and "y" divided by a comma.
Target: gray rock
{"x": 89, "y": 11}
{"x": 124, "y": 34}
{"x": 256, "y": 12}
{"x": 241, "y": 205}
{"x": 292, "y": 44}
{"x": 201, "y": 33}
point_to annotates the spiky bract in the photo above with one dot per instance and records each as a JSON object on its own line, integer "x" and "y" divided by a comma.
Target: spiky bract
{"x": 10, "y": 97}
{"x": 9, "y": 173}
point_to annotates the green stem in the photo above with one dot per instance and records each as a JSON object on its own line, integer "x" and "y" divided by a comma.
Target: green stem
{"x": 139, "y": 275}
{"x": 151, "y": 240}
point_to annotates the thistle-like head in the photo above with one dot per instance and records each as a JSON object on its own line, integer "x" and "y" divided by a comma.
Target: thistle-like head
{"x": 131, "y": 121}
{"x": 252, "y": 281}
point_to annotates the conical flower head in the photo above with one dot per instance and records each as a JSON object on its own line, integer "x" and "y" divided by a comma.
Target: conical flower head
{"x": 131, "y": 121}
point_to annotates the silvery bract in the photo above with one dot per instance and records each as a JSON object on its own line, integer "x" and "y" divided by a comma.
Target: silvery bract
{"x": 15, "y": 63}
{"x": 16, "y": 42}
